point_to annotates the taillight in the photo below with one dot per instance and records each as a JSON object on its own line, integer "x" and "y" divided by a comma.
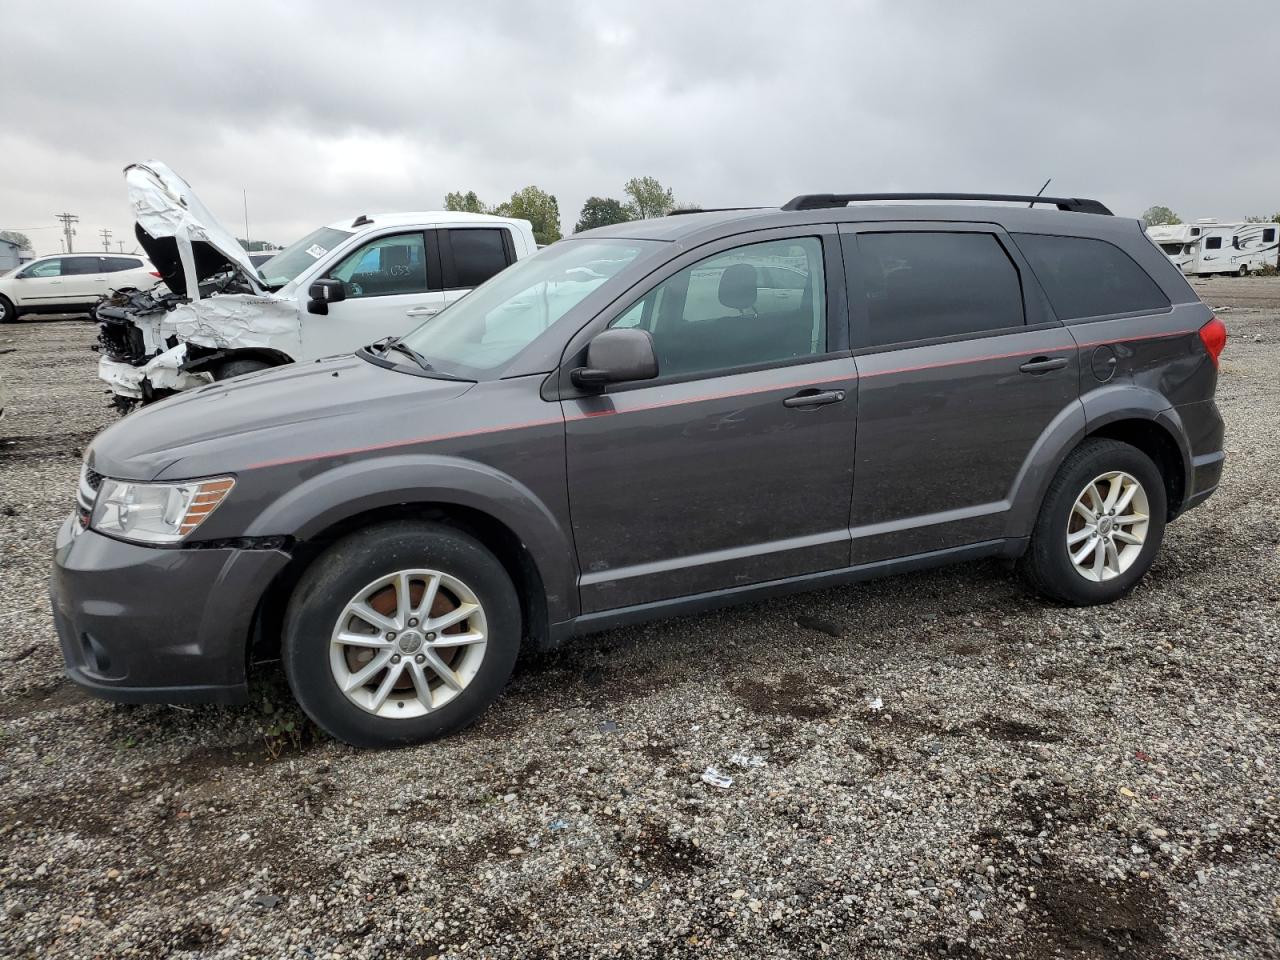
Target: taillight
{"x": 157, "y": 274}
{"x": 1214, "y": 337}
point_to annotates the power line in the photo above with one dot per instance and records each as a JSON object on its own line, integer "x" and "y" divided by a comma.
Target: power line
{"x": 67, "y": 220}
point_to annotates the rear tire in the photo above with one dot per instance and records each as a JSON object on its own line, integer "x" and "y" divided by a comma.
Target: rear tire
{"x": 1243, "y": 271}
{"x": 367, "y": 570}
{"x": 8, "y": 312}
{"x": 235, "y": 368}
{"x": 1112, "y": 553}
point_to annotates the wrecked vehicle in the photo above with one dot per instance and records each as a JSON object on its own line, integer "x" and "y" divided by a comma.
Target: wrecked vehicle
{"x": 217, "y": 315}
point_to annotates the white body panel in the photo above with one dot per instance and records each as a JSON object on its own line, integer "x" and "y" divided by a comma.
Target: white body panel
{"x": 47, "y": 283}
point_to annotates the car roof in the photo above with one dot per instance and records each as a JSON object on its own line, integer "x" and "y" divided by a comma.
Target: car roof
{"x": 90, "y": 253}
{"x": 690, "y": 228}
{"x": 378, "y": 220}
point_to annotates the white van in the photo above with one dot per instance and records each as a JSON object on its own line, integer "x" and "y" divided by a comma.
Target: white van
{"x": 338, "y": 288}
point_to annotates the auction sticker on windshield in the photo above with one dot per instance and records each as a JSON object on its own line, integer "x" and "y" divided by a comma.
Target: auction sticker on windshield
{"x": 316, "y": 251}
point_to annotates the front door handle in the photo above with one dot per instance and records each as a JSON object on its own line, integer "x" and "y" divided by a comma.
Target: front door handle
{"x": 422, "y": 311}
{"x": 1043, "y": 364}
{"x": 814, "y": 398}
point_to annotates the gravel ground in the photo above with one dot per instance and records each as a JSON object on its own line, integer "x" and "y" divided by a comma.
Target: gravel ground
{"x": 1038, "y": 781}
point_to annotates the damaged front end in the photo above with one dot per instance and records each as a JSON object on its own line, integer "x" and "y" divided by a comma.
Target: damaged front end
{"x": 212, "y": 302}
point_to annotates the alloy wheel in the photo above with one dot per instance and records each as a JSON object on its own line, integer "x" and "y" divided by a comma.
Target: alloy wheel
{"x": 408, "y": 643}
{"x": 1108, "y": 526}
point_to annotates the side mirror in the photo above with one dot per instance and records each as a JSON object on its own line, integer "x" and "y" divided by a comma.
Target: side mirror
{"x": 617, "y": 356}
{"x": 323, "y": 293}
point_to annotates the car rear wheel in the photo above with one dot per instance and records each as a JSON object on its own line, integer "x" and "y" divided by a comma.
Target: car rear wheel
{"x": 8, "y": 314}
{"x": 1100, "y": 525}
{"x": 401, "y": 633}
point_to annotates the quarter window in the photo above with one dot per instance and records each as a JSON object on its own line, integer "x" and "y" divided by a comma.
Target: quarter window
{"x": 477, "y": 255}
{"x": 757, "y": 304}
{"x": 385, "y": 267}
{"x": 1090, "y": 278}
{"x": 922, "y": 286}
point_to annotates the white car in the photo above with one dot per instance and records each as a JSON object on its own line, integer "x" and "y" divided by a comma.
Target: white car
{"x": 70, "y": 282}
{"x": 338, "y": 288}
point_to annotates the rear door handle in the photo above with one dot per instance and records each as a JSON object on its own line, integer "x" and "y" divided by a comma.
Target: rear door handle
{"x": 1043, "y": 364}
{"x": 422, "y": 311}
{"x": 814, "y": 398}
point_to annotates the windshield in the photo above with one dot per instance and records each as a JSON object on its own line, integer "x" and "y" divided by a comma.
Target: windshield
{"x": 295, "y": 258}
{"x": 502, "y": 316}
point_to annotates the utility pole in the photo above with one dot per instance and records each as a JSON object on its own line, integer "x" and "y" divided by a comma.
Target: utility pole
{"x": 120, "y": 244}
{"x": 245, "y": 192}
{"x": 105, "y": 234}
{"x": 67, "y": 220}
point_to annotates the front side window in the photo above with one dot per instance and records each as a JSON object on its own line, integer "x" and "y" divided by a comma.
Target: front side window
{"x": 923, "y": 286}
{"x": 386, "y": 267}
{"x": 484, "y": 330}
{"x": 45, "y": 268}
{"x": 478, "y": 254}
{"x": 1083, "y": 277}
{"x": 757, "y": 304}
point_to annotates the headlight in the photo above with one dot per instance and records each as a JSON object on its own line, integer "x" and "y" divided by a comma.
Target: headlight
{"x": 156, "y": 512}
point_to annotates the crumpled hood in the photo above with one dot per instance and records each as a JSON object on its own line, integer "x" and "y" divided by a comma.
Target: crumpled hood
{"x": 182, "y": 238}
{"x": 260, "y": 415}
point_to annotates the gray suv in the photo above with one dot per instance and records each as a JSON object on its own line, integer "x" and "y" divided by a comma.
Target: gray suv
{"x": 650, "y": 419}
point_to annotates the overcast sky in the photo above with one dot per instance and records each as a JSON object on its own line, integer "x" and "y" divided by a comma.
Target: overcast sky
{"x": 322, "y": 111}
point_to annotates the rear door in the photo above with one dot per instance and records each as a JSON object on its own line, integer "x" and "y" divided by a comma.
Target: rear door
{"x": 471, "y": 255}
{"x": 961, "y": 371}
{"x": 392, "y": 285}
{"x": 84, "y": 278}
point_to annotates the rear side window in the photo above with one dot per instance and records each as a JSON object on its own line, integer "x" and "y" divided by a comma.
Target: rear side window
{"x": 921, "y": 285}
{"x": 1090, "y": 278}
{"x": 1213, "y": 243}
{"x": 115, "y": 264}
{"x": 81, "y": 266}
{"x": 477, "y": 255}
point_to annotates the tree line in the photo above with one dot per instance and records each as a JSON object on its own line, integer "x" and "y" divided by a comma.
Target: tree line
{"x": 646, "y": 198}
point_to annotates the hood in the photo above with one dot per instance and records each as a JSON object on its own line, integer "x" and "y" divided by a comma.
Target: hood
{"x": 183, "y": 240}
{"x": 294, "y": 410}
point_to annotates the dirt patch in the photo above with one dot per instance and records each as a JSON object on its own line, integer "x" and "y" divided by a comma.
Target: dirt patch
{"x": 1082, "y": 919}
{"x": 802, "y": 696}
{"x": 51, "y": 696}
{"x": 653, "y": 848}
{"x": 1010, "y": 731}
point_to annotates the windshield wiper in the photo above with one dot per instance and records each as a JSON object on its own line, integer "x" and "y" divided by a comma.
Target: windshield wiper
{"x": 409, "y": 352}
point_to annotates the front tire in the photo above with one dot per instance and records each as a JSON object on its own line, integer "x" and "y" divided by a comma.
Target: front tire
{"x": 236, "y": 368}
{"x": 1100, "y": 526}
{"x": 401, "y": 633}
{"x": 8, "y": 312}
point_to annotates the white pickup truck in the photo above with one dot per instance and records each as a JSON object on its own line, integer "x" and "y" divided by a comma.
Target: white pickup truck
{"x": 340, "y": 287}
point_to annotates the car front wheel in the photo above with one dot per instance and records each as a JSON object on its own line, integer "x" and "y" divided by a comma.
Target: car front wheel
{"x": 8, "y": 314}
{"x": 401, "y": 633}
{"x": 1100, "y": 525}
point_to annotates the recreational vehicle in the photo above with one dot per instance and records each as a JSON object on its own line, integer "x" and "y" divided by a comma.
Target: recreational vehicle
{"x": 1208, "y": 247}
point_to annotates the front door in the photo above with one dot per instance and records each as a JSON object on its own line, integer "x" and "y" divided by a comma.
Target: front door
{"x": 40, "y": 284}
{"x": 735, "y": 465}
{"x": 392, "y": 285}
{"x": 961, "y": 370}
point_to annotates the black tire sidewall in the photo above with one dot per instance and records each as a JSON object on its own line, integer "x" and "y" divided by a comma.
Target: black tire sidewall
{"x": 236, "y": 368}
{"x": 1053, "y": 568}
{"x": 351, "y": 564}
{"x": 10, "y": 311}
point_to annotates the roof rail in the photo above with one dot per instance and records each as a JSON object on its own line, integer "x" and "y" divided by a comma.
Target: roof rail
{"x": 681, "y": 211}
{"x": 820, "y": 201}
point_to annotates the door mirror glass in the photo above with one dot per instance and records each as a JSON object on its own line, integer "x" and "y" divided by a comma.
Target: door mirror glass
{"x": 617, "y": 356}
{"x": 323, "y": 293}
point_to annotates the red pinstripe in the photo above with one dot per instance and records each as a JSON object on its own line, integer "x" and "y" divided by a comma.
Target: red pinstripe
{"x": 481, "y": 431}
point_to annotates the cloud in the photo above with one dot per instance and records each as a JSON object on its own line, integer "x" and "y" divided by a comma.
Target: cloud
{"x": 322, "y": 111}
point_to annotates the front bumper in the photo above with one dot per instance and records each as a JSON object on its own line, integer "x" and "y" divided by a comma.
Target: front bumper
{"x": 148, "y": 625}
{"x": 163, "y": 372}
